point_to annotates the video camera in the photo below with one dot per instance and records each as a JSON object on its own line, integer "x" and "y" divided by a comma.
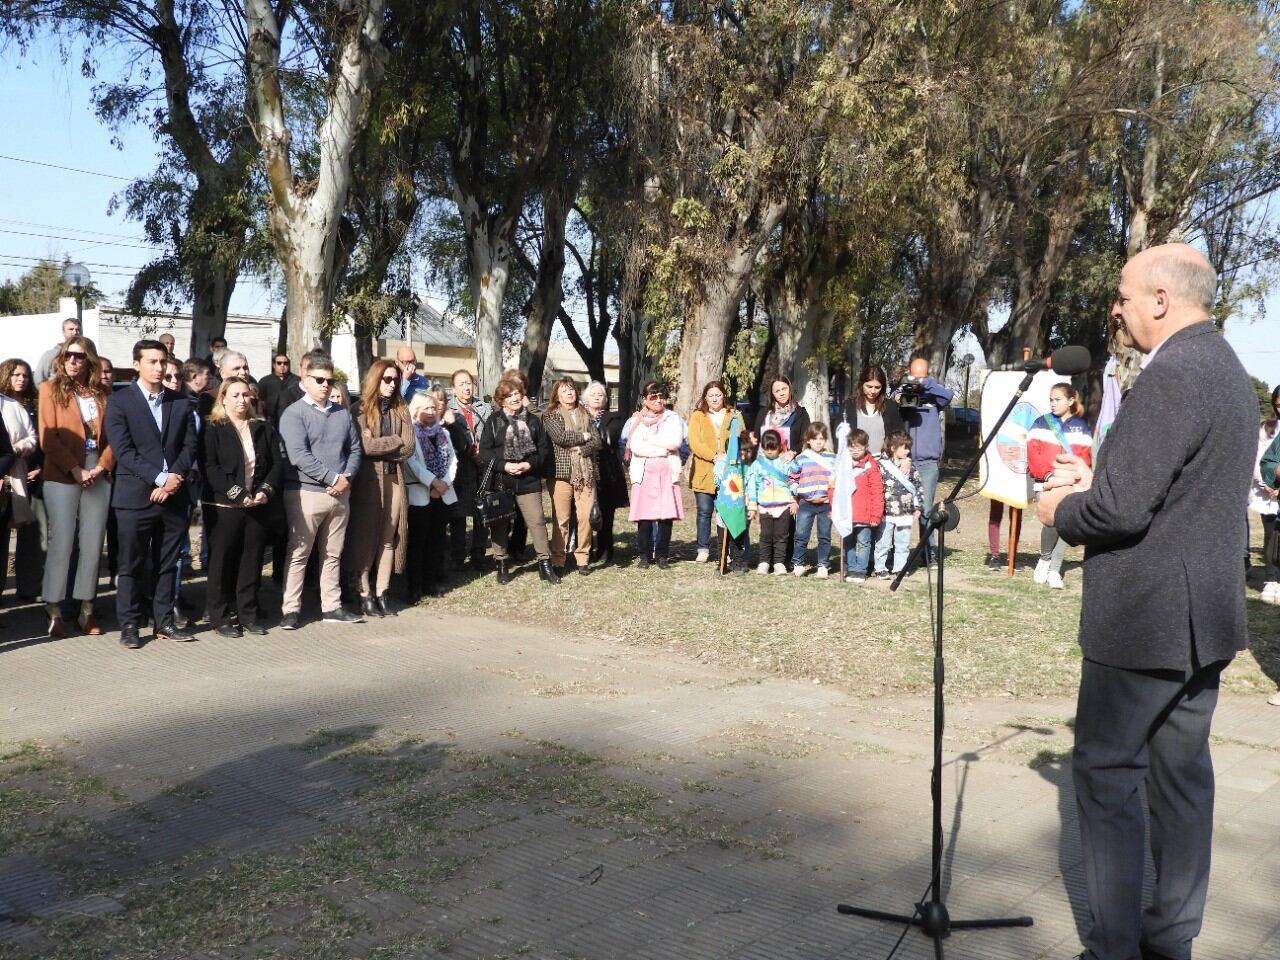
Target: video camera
{"x": 910, "y": 392}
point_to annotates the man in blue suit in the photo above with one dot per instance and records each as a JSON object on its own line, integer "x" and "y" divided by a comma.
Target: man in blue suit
{"x": 151, "y": 430}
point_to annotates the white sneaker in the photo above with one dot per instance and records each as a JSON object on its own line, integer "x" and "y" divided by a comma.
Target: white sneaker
{"x": 779, "y": 569}
{"x": 1270, "y": 592}
{"x": 1042, "y": 571}
{"x": 800, "y": 570}
{"x": 703, "y": 555}
{"x": 821, "y": 573}
{"x": 855, "y": 578}
{"x": 762, "y": 568}
{"x": 1274, "y": 699}
{"x": 1055, "y": 580}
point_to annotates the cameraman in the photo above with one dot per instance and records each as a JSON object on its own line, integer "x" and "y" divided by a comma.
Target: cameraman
{"x": 921, "y": 398}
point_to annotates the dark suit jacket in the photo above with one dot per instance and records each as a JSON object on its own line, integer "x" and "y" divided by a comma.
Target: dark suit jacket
{"x": 1163, "y": 522}
{"x": 224, "y": 462}
{"x": 276, "y": 393}
{"x": 141, "y": 450}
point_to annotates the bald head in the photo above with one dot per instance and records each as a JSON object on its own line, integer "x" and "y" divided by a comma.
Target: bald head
{"x": 407, "y": 361}
{"x": 1162, "y": 290}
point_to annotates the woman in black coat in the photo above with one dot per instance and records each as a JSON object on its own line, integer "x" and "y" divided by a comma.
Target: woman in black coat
{"x": 783, "y": 414}
{"x": 869, "y": 408}
{"x": 613, "y": 487}
{"x": 519, "y": 450}
{"x": 242, "y": 465}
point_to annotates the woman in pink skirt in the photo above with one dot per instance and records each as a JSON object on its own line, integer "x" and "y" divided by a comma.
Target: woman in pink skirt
{"x": 654, "y": 436}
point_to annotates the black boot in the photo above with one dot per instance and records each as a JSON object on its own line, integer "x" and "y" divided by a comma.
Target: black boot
{"x": 504, "y": 575}
{"x": 381, "y": 603}
{"x": 370, "y": 607}
{"x": 546, "y": 573}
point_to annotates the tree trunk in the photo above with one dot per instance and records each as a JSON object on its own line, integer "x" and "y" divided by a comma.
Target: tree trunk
{"x": 306, "y": 260}
{"x": 211, "y": 300}
{"x": 548, "y": 290}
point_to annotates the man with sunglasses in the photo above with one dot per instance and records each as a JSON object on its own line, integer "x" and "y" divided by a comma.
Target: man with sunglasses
{"x": 322, "y": 443}
{"x": 151, "y": 432}
{"x": 275, "y": 389}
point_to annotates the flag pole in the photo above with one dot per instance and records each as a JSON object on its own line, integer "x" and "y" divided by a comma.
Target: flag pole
{"x": 724, "y": 549}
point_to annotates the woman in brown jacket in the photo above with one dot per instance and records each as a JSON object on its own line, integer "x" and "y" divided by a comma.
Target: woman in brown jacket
{"x": 77, "y": 478}
{"x": 379, "y": 530}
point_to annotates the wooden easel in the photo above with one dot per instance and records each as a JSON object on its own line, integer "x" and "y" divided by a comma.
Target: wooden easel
{"x": 1015, "y": 513}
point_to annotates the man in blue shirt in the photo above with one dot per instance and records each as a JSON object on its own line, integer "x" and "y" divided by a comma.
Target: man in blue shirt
{"x": 411, "y": 381}
{"x": 924, "y": 423}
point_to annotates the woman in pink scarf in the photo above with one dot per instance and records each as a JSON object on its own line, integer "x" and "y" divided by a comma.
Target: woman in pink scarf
{"x": 654, "y": 436}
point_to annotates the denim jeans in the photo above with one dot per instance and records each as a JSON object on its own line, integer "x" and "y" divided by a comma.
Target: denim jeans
{"x": 706, "y": 507}
{"x": 857, "y": 546}
{"x": 805, "y": 517}
{"x": 928, "y": 470}
{"x": 897, "y": 537}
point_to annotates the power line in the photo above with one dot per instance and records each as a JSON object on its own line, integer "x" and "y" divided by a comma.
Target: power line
{"x": 58, "y": 166}
{"x": 87, "y": 263}
{"x": 82, "y": 241}
{"x": 96, "y": 233}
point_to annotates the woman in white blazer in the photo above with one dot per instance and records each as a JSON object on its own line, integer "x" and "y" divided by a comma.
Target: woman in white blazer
{"x": 431, "y": 470}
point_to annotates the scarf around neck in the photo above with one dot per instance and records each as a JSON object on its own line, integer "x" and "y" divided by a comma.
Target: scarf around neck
{"x": 778, "y": 419}
{"x": 431, "y": 441}
{"x": 642, "y": 418}
{"x": 518, "y": 445}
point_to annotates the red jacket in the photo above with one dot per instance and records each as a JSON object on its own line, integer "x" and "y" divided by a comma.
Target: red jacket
{"x": 868, "y": 495}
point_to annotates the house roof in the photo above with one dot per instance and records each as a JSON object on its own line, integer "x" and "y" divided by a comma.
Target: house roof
{"x": 429, "y": 326}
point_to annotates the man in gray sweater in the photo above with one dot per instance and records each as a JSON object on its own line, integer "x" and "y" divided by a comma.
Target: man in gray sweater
{"x": 1160, "y": 515}
{"x": 322, "y": 446}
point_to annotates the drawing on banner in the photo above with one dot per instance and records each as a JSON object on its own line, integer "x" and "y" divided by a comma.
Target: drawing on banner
{"x": 1004, "y": 473}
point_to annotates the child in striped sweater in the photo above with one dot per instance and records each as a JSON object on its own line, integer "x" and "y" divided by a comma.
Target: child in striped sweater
{"x": 812, "y": 475}
{"x": 769, "y": 497}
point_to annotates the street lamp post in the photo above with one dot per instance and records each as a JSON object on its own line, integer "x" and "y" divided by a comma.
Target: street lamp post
{"x": 77, "y": 276}
{"x": 967, "y": 360}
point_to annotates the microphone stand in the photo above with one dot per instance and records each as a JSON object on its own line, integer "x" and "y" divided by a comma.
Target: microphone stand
{"x": 931, "y": 914}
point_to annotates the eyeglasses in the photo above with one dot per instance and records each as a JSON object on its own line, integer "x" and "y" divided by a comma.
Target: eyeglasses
{"x": 76, "y": 355}
{"x": 282, "y": 363}
{"x": 323, "y": 381}
{"x": 655, "y": 396}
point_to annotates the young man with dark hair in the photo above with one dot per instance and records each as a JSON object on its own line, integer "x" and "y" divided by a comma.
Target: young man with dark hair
{"x": 153, "y": 437}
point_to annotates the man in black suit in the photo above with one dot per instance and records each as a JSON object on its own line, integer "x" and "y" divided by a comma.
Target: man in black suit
{"x": 152, "y": 433}
{"x": 1164, "y": 605}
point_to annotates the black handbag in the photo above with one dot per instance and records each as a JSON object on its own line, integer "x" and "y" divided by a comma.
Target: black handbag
{"x": 495, "y": 506}
{"x": 596, "y": 517}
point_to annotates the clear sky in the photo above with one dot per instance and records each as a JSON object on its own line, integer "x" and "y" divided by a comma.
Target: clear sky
{"x": 46, "y": 115}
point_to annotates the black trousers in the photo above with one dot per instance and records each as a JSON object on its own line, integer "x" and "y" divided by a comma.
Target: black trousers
{"x": 776, "y": 535}
{"x": 653, "y": 538}
{"x": 28, "y": 553}
{"x": 165, "y": 523}
{"x": 235, "y": 559}
{"x": 425, "y": 552}
{"x": 458, "y": 535}
{"x": 1136, "y": 727}
{"x": 602, "y": 542}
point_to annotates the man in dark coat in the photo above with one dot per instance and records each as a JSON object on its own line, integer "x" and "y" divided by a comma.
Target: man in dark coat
{"x": 277, "y": 388}
{"x": 153, "y": 436}
{"x": 1164, "y": 605}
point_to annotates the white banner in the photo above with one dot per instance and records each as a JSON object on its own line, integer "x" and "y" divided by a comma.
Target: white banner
{"x": 1004, "y": 473}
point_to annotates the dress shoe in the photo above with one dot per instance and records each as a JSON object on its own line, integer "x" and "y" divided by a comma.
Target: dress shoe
{"x": 289, "y": 621}
{"x": 383, "y": 609}
{"x": 57, "y": 628}
{"x": 584, "y": 570}
{"x": 90, "y": 626}
{"x": 230, "y": 631}
{"x": 170, "y": 631}
{"x": 504, "y": 573}
{"x": 129, "y": 638}
{"x": 257, "y": 628}
{"x": 370, "y": 607}
{"x": 546, "y": 573}
{"x": 663, "y": 563}
{"x": 642, "y": 563}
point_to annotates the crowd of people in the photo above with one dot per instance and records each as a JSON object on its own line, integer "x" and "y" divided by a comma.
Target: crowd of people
{"x": 346, "y": 490}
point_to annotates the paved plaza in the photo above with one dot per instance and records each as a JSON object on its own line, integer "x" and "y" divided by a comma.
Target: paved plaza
{"x": 586, "y": 800}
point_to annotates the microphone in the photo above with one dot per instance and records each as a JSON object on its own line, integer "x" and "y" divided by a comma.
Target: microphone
{"x": 1068, "y": 360}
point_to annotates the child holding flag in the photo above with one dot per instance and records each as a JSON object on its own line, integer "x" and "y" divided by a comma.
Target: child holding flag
{"x": 903, "y": 503}
{"x": 857, "y": 505}
{"x": 769, "y": 496}
{"x": 1062, "y": 430}
{"x": 812, "y": 474}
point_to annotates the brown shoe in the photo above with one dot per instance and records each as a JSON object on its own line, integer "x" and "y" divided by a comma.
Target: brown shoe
{"x": 57, "y": 629}
{"x": 90, "y": 626}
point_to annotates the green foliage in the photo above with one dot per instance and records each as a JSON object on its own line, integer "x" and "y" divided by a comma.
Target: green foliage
{"x": 39, "y": 289}
{"x": 1265, "y": 409}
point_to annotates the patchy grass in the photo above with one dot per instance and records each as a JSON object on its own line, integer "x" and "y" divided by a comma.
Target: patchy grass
{"x": 1005, "y": 637}
{"x": 419, "y": 822}
{"x": 43, "y": 799}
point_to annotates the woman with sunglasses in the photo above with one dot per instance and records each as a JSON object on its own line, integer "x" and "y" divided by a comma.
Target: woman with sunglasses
{"x": 654, "y": 437}
{"x": 25, "y": 510}
{"x": 77, "y": 478}
{"x": 242, "y": 474}
{"x": 379, "y": 530}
